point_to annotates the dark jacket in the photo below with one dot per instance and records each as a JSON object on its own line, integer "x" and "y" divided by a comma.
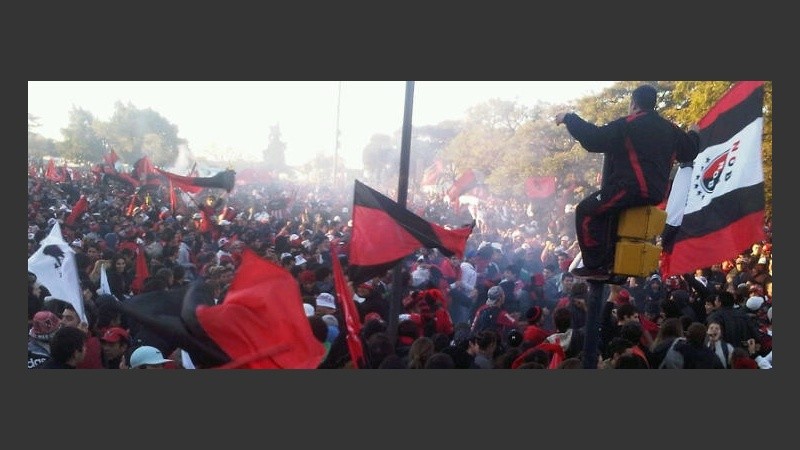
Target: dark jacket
{"x": 737, "y": 327}
{"x": 698, "y": 357}
{"x": 639, "y": 151}
{"x": 37, "y": 354}
{"x": 53, "y": 364}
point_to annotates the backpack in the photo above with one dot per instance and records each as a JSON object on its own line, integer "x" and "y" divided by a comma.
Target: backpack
{"x": 487, "y": 319}
{"x": 673, "y": 359}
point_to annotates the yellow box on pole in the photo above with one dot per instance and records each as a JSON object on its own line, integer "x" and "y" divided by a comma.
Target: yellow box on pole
{"x": 635, "y": 258}
{"x": 641, "y": 222}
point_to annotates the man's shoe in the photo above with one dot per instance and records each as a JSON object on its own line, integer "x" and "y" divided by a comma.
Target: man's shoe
{"x": 598, "y": 274}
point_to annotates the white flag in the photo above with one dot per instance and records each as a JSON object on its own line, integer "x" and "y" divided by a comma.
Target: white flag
{"x": 104, "y": 287}
{"x": 55, "y": 268}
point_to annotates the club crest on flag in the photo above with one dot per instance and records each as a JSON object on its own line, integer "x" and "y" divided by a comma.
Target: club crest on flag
{"x": 713, "y": 169}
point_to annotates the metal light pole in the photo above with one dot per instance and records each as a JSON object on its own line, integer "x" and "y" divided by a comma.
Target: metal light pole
{"x": 336, "y": 144}
{"x": 395, "y": 306}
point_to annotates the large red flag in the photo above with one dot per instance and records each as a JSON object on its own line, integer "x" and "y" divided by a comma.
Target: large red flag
{"x": 715, "y": 209}
{"x": 142, "y": 272}
{"x": 351, "y": 317}
{"x": 540, "y": 187}
{"x": 80, "y": 207}
{"x": 384, "y": 233}
{"x": 261, "y": 323}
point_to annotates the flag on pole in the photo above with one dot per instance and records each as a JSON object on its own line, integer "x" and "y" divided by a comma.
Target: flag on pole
{"x": 351, "y": 318}
{"x": 384, "y": 233}
{"x": 56, "y": 269}
{"x": 717, "y": 211}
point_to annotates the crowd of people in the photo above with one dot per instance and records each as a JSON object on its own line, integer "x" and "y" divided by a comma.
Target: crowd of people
{"x": 524, "y": 293}
{"x": 510, "y": 302}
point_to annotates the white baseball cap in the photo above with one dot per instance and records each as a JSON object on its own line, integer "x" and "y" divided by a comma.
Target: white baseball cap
{"x": 147, "y": 355}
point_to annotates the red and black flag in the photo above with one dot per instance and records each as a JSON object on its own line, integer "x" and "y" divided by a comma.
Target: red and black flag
{"x": 192, "y": 185}
{"x": 384, "y": 233}
{"x": 716, "y": 208}
{"x": 260, "y": 324}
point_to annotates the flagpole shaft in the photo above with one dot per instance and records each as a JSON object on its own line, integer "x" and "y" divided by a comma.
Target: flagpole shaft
{"x": 395, "y": 306}
{"x": 592, "y": 327}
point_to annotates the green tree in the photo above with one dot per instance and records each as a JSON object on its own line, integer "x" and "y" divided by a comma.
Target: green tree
{"x": 82, "y": 143}
{"x": 485, "y": 136}
{"x": 134, "y": 133}
{"x": 38, "y": 145}
{"x": 428, "y": 143}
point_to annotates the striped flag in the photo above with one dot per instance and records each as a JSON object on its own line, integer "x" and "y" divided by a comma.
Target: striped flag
{"x": 716, "y": 208}
{"x": 384, "y": 233}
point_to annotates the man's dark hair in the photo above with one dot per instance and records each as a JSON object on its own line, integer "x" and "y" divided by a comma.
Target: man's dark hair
{"x": 513, "y": 268}
{"x": 696, "y": 333}
{"x": 57, "y": 306}
{"x": 726, "y": 299}
{"x": 379, "y": 346}
{"x": 645, "y": 97}
{"x": 562, "y": 319}
{"x": 631, "y": 331}
{"x": 319, "y": 328}
{"x": 618, "y": 345}
{"x": 66, "y": 341}
{"x": 625, "y": 310}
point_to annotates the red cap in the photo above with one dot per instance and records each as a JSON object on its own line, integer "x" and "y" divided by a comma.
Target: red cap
{"x": 115, "y": 334}
{"x": 372, "y": 316}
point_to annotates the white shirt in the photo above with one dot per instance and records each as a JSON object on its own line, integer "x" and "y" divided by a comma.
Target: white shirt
{"x": 469, "y": 276}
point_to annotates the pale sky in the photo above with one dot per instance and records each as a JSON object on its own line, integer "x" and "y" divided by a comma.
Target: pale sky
{"x": 232, "y": 119}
